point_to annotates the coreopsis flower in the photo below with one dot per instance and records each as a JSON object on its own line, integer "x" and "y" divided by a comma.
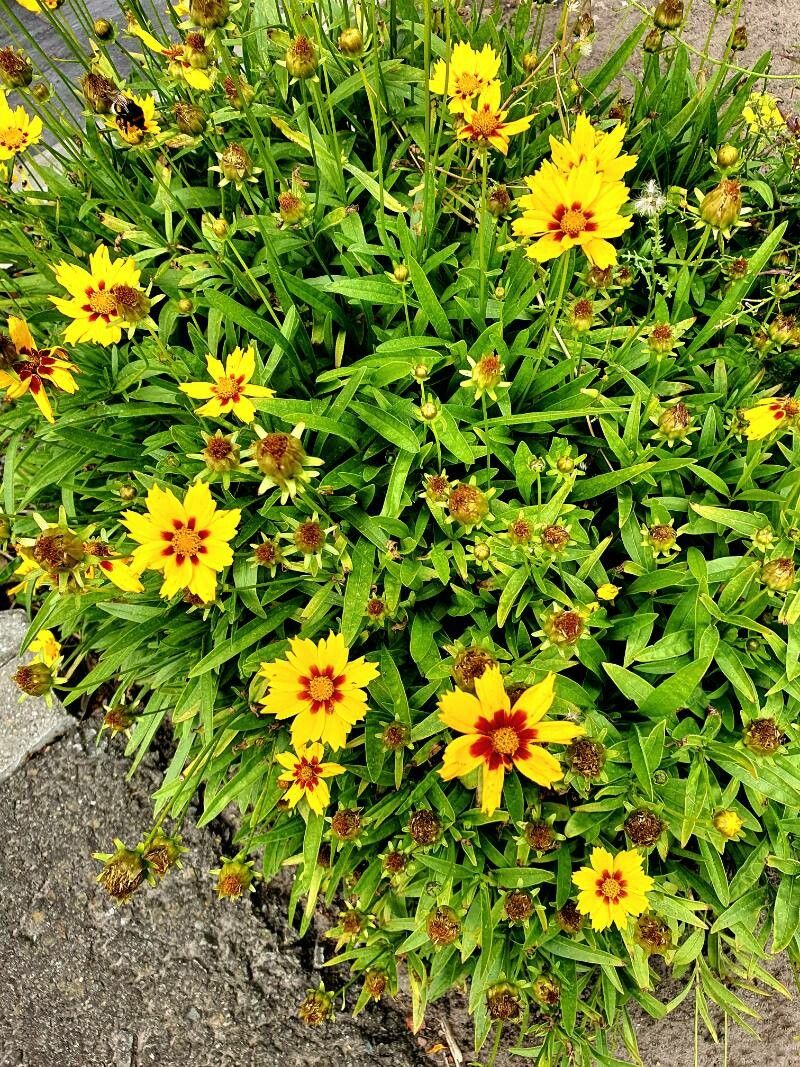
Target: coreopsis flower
{"x": 574, "y": 210}
{"x": 589, "y": 145}
{"x": 306, "y": 776}
{"x": 231, "y": 389}
{"x": 761, "y": 113}
{"x": 466, "y": 74}
{"x": 485, "y": 375}
{"x": 769, "y": 414}
{"x": 18, "y": 130}
{"x": 319, "y": 688}
{"x": 187, "y": 62}
{"x": 100, "y": 298}
{"x": 29, "y": 368}
{"x": 612, "y": 888}
{"x": 134, "y": 118}
{"x": 37, "y": 5}
{"x": 283, "y": 462}
{"x": 485, "y": 125}
{"x": 189, "y": 540}
{"x": 607, "y": 591}
{"x": 46, "y": 648}
{"x": 498, "y": 737}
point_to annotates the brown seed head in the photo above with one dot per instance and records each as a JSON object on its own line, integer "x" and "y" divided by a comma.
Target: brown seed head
{"x": 652, "y": 934}
{"x": 643, "y": 827}
{"x": 540, "y": 836}
{"x": 518, "y": 906}
{"x": 346, "y": 824}
{"x": 763, "y": 737}
{"x": 425, "y": 827}
{"x": 443, "y": 926}
{"x": 469, "y": 665}
{"x": 586, "y": 757}
{"x": 569, "y": 919}
{"x": 467, "y": 504}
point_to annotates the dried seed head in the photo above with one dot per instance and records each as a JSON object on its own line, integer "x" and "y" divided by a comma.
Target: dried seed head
{"x": 99, "y": 93}
{"x": 668, "y": 15}
{"x": 189, "y": 118}
{"x": 316, "y": 1008}
{"x": 778, "y": 574}
{"x": 652, "y": 934}
{"x": 546, "y": 991}
{"x": 279, "y": 455}
{"x": 131, "y": 303}
{"x": 498, "y": 202}
{"x": 675, "y": 422}
{"x": 581, "y": 315}
{"x": 33, "y": 679}
{"x": 643, "y": 827}
{"x": 221, "y": 453}
{"x": 234, "y": 879}
{"x": 600, "y": 277}
{"x": 346, "y": 824}
{"x": 564, "y": 627}
{"x": 443, "y": 926}
{"x": 235, "y": 163}
{"x": 425, "y": 827}
{"x": 267, "y": 554}
{"x": 662, "y": 536}
{"x": 162, "y": 853}
{"x": 502, "y": 1002}
{"x": 467, "y": 504}
{"x": 118, "y": 719}
{"x": 301, "y": 57}
{"x": 518, "y": 906}
{"x": 122, "y": 874}
{"x": 395, "y": 737}
{"x": 569, "y": 919}
{"x": 291, "y": 207}
{"x": 394, "y": 862}
{"x": 375, "y": 983}
{"x": 310, "y": 537}
{"x": 586, "y": 757}
{"x": 16, "y": 69}
{"x": 210, "y": 14}
{"x": 554, "y": 538}
{"x": 763, "y": 737}
{"x": 737, "y": 41}
{"x": 58, "y": 550}
{"x": 520, "y": 531}
{"x": 539, "y": 835}
{"x": 469, "y": 665}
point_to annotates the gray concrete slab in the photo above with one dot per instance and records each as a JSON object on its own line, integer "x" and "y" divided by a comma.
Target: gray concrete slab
{"x": 25, "y": 726}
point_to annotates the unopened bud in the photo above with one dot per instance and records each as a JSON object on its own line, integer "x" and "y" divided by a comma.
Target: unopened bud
{"x": 301, "y": 58}
{"x": 351, "y": 41}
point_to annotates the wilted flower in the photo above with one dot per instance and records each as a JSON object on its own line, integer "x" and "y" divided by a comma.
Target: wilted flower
{"x": 763, "y": 737}
{"x": 16, "y": 69}
{"x": 652, "y": 934}
{"x": 503, "y": 1002}
{"x": 546, "y": 991}
{"x": 443, "y": 926}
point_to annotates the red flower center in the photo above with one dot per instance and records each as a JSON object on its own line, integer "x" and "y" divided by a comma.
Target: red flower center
{"x": 307, "y": 773}
{"x": 321, "y": 689}
{"x": 611, "y": 887}
{"x": 571, "y": 221}
{"x": 185, "y": 541}
{"x": 504, "y": 738}
{"x": 100, "y": 303}
{"x": 229, "y": 389}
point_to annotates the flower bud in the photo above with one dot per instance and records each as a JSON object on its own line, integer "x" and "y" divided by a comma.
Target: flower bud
{"x": 401, "y": 273}
{"x": 210, "y": 14}
{"x": 581, "y": 315}
{"x": 316, "y": 1009}
{"x": 607, "y": 591}
{"x": 727, "y": 156}
{"x": 467, "y": 504}
{"x": 41, "y": 92}
{"x": 429, "y": 410}
{"x": 778, "y": 574}
{"x": 33, "y": 679}
{"x": 103, "y": 30}
{"x": 220, "y": 229}
{"x": 469, "y": 665}
{"x": 728, "y": 823}
{"x": 721, "y": 206}
{"x": 443, "y": 926}
{"x": 654, "y": 41}
{"x": 763, "y": 737}
{"x": 189, "y": 118}
{"x": 185, "y": 306}
{"x": 16, "y": 70}
{"x": 668, "y": 15}
{"x": 546, "y": 991}
{"x": 351, "y": 41}
{"x": 301, "y": 57}
{"x": 5, "y": 528}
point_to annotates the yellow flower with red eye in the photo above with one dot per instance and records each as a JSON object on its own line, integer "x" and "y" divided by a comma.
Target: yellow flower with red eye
{"x": 24, "y": 368}
{"x": 188, "y": 540}
{"x": 770, "y": 414}
{"x": 573, "y": 210}
{"x": 612, "y": 888}
{"x": 320, "y": 688}
{"x": 230, "y": 389}
{"x": 37, "y": 5}
{"x": 587, "y": 144}
{"x": 115, "y": 568}
{"x": 499, "y": 737}
{"x": 486, "y": 125}
{"x": 18, "y": 130}
{"x": 306, "y": 776}
{"x": 103, "y": 300}
{"x": 45, "y": 647}
{"x": 466, "y": 74}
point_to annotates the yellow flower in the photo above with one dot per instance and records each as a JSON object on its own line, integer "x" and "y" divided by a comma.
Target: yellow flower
{"x": 588, "y": 145}
{"x": 31, "y": 367}
{"x": 466, "y": 75}
{"x": 46, "y": 648}
{"x": 18, "y": 130}
{"x": 37, "y": 5}
{"x": 134, "y": 118}
{"x": 307, "y": 776}
{"x": 178, "y": 63}
{"x": 231, "y": 386}
{"x": 98, "y": 297}
{"x": 761, "y": 112}
{"x": 317, "y": 686}
{"x": 188, "y": 541}
{"x": 770, "y": 413}
{"x": 574, "y": 210}
{"x": 612, "y": 888}
{"x": 116, "y": 569}
{"x": 499, "y": 737}
{"x": 486, "y": 123}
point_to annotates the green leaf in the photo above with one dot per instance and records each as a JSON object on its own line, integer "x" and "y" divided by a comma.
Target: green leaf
{"x": 357, "y": 590}
{"x": 387, "y": 426}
